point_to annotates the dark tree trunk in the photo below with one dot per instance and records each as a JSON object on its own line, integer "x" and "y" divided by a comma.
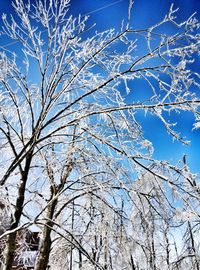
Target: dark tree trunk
{"x": 80, "y": 260}
{"x": 193, "y": 249}
{"x": 71, "y": 250}
{"x": 43, "y": 258}
{"x": 132, "y": 263}
{"x": 9, "y": 254}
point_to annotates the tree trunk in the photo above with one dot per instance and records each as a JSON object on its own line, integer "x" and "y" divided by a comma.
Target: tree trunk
{"x": 132, "y": 263}
{"x": 43, "y": 258}
{"x": 71, "y": 250}
{"x": 9, "y": 254}
{"x": 80, "y": 260}
{"x": 193, "y": 249}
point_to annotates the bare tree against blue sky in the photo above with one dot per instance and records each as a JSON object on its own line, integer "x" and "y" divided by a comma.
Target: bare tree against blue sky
{"x": 73, "y": 149}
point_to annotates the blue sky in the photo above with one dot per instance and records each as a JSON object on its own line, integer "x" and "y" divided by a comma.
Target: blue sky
{"x": 109, "y": 14}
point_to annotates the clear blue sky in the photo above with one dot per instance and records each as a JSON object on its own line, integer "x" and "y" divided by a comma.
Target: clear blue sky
{"x": 109, "y": 14}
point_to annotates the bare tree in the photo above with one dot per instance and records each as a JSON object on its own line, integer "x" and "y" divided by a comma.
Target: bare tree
{"x": 72, "y": 148}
